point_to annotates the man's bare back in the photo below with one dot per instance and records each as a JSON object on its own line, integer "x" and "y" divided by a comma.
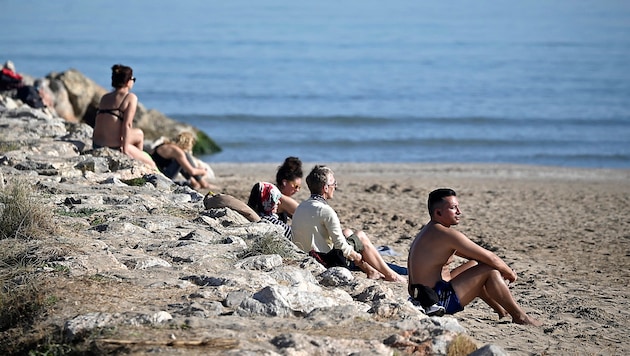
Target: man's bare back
{"x": 430, "y": 256}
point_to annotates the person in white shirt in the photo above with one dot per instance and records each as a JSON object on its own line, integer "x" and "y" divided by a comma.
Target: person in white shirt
{"x": 317, "y": 231}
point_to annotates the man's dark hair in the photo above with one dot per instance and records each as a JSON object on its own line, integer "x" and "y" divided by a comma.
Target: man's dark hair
{"x": 437, "y": 196}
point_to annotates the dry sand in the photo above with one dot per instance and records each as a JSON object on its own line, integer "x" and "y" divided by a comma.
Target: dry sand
{"x": 565, "y": 231}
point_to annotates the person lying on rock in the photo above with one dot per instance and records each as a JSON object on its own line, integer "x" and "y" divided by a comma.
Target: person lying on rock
{"x": 173, "y": 157}
{"x": 264, "y": 199}
{"x": 317, "y": 231}
{"x": 485, "y": 275}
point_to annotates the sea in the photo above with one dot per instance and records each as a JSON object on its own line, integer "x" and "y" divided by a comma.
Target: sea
{"x": 534, "y": 82}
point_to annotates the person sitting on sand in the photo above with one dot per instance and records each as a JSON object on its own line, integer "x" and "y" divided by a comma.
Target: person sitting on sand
{"x": 317, "y": 231}
{"x": 485, "y": 275}
{"x": 173, "y": 157}
{"x": 114, "y": 118}
{"x": 264, "y": 199}
{"x": 289, "y": 181}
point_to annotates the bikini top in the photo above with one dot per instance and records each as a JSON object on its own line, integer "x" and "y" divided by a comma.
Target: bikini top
{"x": 114, "y": 112}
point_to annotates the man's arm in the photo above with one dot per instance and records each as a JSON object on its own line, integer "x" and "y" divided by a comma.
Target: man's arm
{"x": 466, "y": 248}
{"x": 331, "y": 220}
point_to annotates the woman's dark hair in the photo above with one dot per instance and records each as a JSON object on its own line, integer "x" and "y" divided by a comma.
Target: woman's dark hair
{"x": 254, "y": 199}
{"x": 289, "y": 170}
{"x": 121, "y": 75}
{"x": 437, "y": 196}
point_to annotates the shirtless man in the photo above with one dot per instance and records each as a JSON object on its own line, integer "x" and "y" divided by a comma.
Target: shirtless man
{"x": 485, "y": 275}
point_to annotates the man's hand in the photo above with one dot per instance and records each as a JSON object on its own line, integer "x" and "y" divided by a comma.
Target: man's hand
{"x": 509, "y": 275}
{"x": 358, "y": 259}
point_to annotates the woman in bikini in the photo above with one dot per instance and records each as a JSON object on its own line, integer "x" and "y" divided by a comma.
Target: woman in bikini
{"x": 114, "y": 118}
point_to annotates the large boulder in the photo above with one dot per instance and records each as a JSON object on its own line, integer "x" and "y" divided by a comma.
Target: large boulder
{"x": 83, "y": 93}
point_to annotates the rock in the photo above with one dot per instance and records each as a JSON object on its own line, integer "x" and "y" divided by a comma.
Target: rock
{"x": 83, "y": 93}
{"x": 489, "y": 350}
{"x": 147, "y": 257}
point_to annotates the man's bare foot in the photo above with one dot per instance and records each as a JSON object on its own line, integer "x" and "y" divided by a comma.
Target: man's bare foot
{"x": 527, "y": 320}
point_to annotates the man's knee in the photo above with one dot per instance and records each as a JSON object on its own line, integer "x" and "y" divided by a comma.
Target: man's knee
{"x": 347, "y": 232}
{"x": 495, "y": 274}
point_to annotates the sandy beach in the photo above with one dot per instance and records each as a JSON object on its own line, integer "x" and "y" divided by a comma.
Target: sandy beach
{"x": 565, "y": 231}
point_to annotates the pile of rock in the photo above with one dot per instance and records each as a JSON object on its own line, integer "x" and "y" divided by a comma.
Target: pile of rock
{"x": 172, "y": 273}
{"x": 75, "y": 98}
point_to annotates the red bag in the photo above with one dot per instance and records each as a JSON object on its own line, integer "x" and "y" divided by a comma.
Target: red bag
{"x": 9, "y": 79}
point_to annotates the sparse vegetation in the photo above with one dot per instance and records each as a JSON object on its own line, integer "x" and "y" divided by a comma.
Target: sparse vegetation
{"x": 181, "y": 212}
{"x": 23, "y": 217}
{"x": 135, "y": 182}
{"x": 20, "y": 297}
{"x": 461, "y": 345}
{"x": 52, "y": 349}
{"x": 23, "y": 220}
{"x": 80, "y": 213}
{"x": 8, "y": 146}
{"x": 268, "y": 244}
{"x": 98, "y": 221}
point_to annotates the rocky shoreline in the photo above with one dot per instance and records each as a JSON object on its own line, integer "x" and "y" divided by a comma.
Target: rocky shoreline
{"x": 72, "y": 96}
{"x": 145, "y": 267}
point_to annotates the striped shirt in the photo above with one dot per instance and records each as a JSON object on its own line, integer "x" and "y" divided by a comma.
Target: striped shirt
{"x": 273, "y": 219}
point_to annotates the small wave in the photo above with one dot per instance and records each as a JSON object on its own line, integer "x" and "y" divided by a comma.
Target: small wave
{"x": 372, "y": 120}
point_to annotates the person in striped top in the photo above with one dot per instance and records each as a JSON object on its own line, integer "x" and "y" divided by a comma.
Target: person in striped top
{"x": 264, "y": 199}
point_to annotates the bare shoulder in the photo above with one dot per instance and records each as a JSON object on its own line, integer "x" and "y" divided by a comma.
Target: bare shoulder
{"x": 447, "y": 236}
{"x": 430, "y": 234}
{"x": 433, "y": 245}
{"x": 132, "y": 98}
{"x": 286, "y": 198}
{"x": 108, "y": 98}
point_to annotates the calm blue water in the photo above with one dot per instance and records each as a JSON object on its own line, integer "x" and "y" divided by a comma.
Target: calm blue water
{"x": 534, "y": 82}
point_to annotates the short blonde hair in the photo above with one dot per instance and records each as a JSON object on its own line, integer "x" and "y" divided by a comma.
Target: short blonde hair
{"x": 185, "y": 140}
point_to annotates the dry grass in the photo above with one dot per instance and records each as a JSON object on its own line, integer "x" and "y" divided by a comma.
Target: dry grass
{"x": 23, "y": 221}
{"x": 270, "y": 243}
{"x": 461, "y": 345}
{"x": 9, "y": 146}
{"x": 23, "y": 217}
